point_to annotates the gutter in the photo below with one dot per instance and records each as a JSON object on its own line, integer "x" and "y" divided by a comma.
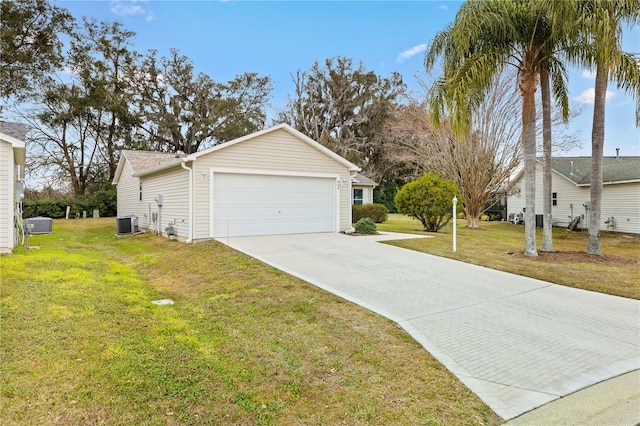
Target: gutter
{"x": 190, "y": 170}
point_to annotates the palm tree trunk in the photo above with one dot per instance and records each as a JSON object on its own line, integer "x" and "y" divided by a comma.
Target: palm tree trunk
{"x": 597, "y": 146}
{"x": 545, "y": 92}
{"x": 529, "y": 149}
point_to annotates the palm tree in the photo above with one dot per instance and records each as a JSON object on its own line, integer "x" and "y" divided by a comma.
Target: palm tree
{"x": 485, "y": 37}
{"x": 561, "y": 95}
{"x": 594, "y": 30}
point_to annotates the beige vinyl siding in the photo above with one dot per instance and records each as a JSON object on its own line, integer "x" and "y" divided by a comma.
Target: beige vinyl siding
{"x": 129, "y": 197}
{"x": 6, "y": 197}
{"x": 274, "y": 151}
{"x": 173, "y": 185}
{"x": 621, "y": 201}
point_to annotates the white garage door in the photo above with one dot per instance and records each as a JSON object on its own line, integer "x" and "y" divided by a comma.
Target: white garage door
{"x": 249, "y": 204}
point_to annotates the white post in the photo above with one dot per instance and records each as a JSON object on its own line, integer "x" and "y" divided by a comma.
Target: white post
{"x": 455, "y": 202}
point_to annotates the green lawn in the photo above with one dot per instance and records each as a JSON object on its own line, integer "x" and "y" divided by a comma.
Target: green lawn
{"x": 82, "y": 344}
{"x": 500, "y": 245}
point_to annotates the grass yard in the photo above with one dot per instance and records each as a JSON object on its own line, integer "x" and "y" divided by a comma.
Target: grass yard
{"x": 500, "y": 245}
{"x": 244, "y": 344}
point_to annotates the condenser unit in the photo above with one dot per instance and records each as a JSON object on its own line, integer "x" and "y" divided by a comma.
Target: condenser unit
{"x": 126, "y": 225}
{"x": 39, "y": 225}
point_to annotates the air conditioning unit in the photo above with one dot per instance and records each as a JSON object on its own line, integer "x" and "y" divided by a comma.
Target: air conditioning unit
{"x": 126, "y": 225}
{"x": 39, "y": 225}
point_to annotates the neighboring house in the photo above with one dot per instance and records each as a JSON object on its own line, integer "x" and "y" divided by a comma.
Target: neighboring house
{"x": 362, "y": 189}
{"x": 12, "y": 159}
{"x": 620, "y": 207}
{"x": 275, "y": 181}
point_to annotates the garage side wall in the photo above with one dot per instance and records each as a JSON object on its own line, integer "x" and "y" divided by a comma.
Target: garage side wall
{"x": 129, "y": 202}
{"x": 173, "y": 185}
{"x": 274, "y": 151}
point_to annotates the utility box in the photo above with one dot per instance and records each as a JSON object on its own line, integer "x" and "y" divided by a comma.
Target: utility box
{"x": 539, "y": 221}
{"x": 39, "y": 225}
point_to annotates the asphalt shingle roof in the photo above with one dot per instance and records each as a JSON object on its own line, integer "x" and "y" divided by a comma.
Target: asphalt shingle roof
{"x": 614, "y": 169}
{"x": 15, "y": 130}
{"x": 143, "y": 160}
{"x": 362, "y": 180}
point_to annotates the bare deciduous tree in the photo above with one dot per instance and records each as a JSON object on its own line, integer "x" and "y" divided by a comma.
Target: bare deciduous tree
{"x": 481, "y": 164}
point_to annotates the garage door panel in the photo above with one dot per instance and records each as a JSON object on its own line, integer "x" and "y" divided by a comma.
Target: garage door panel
{"x": 245, "y": 204}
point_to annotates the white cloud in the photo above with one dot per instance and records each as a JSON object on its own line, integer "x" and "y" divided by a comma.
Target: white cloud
{"x": 589, "y": 74}
{"x": 131, "y": 7}
{"x": 588, "y": 96}
{"x": 412, "y": 52}
{"x": 443, "y": 7}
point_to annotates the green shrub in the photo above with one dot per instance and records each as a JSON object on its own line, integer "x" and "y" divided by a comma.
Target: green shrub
{"x": 428, "y": 199}
{"x": 54, "y": 208}
{"x": 366, "y": 226}
{"x": 376, "y": 212}
{"x": 104, "y": 200}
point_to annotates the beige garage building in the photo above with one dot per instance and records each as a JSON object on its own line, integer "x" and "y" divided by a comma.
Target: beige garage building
{"x": 275, "y": 181}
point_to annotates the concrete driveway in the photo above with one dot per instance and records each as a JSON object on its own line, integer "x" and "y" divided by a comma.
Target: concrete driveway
{"x": 516, "y": 342}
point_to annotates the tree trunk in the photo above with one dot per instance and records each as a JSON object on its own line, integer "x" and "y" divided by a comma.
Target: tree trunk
{"x": 597, "y": 146}
{"x": 473, "y": 213}
{"x": 472, "y": 220}
{"x": 547, "y": 235}
{"x": 529, "y": 148}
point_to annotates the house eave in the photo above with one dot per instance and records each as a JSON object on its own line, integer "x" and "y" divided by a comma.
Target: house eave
{"x": 611, "y": 182}
{"x": 19, "y": 151}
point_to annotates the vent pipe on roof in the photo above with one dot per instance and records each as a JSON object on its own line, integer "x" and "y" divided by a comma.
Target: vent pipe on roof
{"x": 570, "y": 167}
{"x": 617, "y": 153}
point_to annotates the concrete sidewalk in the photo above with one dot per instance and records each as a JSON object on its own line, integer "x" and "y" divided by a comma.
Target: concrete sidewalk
{"x": 518, "y": 343}
{"x": 610, "y": 403}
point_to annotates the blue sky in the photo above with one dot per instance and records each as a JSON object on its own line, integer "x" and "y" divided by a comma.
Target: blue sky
{"x": 277, "y": 38}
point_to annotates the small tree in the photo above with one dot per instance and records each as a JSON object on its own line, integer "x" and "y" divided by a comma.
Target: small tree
{"x": 428, "y": 199}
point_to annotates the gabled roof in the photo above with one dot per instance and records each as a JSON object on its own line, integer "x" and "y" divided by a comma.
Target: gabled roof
{"x": 614, "y": 169}
{"x": 577, "y": 170}
{"x": 362, "y": 180}
{"x": 286, "y": 128}
{"x": 147, "y": 164}
{"x": 144, "y": 160}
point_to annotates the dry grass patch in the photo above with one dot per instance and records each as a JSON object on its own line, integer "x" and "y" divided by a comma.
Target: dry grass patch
{"x": 499, "y": 245}
{"x": 244, "y": 343}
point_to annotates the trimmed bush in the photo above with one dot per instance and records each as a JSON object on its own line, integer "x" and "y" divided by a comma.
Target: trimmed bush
{"x": 104, "y": 200}
{"x": 54, "y": 208}
{"x": 366, "y": 226}
{"x": 376, "y": 212}
{"x": 428, "y": 199}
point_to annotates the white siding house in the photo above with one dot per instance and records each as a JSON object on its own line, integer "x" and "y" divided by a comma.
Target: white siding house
{"x": 12, "y": 159}
{"x": 571, "y": 192}
{"x": 276, "y": 181}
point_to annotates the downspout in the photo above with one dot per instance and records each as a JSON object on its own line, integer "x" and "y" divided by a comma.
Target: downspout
{"x": 190, "y": 170}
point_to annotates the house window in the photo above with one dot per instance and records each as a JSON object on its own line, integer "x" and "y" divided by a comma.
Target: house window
{"x": 357, "y": 196}
{"x": 140, "y": 191}
{"x": 554, "y": 199}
